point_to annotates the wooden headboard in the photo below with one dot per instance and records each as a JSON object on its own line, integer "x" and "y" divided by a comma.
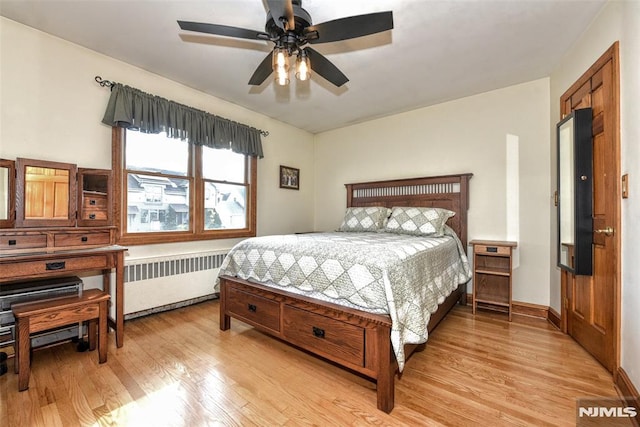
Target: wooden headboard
{"x": 447, "y": 191}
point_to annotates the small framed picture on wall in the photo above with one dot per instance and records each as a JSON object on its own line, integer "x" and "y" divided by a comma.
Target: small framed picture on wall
{"x": 289, "y": 178}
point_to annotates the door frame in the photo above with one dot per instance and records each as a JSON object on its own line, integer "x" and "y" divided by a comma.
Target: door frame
{"x": 611, "y": 54}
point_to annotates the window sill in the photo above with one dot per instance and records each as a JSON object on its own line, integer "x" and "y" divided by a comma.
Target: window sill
{"x": 174, "y": 237}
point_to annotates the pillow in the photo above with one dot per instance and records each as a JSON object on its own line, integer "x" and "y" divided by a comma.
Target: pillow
{"x": 418, "y": 221}
{"x": 370, "y": 218}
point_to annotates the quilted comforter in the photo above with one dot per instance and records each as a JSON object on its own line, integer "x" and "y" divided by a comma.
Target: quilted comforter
{"x": 403, "y": 276}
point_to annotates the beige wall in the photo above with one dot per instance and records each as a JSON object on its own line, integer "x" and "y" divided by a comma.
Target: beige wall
{"x": 618, "y": 21}
{"x": 51, "y": 109}
{"x": 465, "y": 135}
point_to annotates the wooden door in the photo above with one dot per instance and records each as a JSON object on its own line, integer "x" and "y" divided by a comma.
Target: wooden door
{"x": 592, "y": 304}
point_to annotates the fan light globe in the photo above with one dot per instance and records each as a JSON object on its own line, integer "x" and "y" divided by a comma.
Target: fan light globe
{"x": 303, "y": 68}
{"x": 280, "y": 65}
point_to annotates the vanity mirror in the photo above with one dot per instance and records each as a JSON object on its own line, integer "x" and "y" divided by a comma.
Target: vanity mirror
{"x": 575, "y": 192}
{"x": 45, "y": 193}
{"x": 7, "y": 174}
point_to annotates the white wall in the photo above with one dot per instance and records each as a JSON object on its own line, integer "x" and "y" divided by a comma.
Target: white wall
{"x": 465, "y": 135}
{"x": 618, "y": 21}
{"x": 51, "y": 108}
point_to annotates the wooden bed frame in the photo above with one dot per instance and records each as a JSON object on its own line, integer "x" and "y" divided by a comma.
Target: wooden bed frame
{"x": 354, "y": 339}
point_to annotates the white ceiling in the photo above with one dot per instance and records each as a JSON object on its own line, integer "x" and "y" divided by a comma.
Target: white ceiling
{"x": 439, "y": 50}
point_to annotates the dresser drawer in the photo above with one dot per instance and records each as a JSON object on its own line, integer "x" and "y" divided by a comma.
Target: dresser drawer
{"x": 323, "y": 335}
{"x": 23, "y": 242}
{"x": 92, "y": 200}
{"x": 90, "y": 214}
{"x": 253, "y": 309}
{"x": 49, "y": 266}
{"x": 81, "y": 239}
{"x": 492, "y": 250}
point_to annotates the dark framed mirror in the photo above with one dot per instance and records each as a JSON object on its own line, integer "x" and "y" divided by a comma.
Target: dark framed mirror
{"x": 575, "y": 192}
{"x": 45, "y": 193}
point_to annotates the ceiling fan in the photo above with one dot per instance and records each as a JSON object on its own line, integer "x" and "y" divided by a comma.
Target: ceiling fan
{"x": 290, "y": 28}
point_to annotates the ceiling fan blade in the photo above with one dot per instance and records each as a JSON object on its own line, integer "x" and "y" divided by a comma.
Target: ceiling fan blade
{"x": 263, "y": 71}
{"x": 282, "y": 9}
{"x": 350, "y": 27}
{"x": 223, "y": 30}
{"x": 325, "y": 68}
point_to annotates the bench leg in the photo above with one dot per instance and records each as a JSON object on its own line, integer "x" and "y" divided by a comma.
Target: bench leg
{"x": 102, "y": 333}
{"x": 22, "y": 361}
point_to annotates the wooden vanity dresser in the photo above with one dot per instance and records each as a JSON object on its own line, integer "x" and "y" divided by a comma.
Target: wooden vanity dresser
{"x": 59, "y": 224}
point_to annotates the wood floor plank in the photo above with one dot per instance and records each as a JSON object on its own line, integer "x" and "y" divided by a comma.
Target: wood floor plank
{"x": 177, "y": 368}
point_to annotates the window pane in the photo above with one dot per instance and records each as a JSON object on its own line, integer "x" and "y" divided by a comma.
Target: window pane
{"x": 225, "y": 206}
{"x": 156, "y": 153}
{"x": 222, "y": 165}
{"x": 157, "y": 203}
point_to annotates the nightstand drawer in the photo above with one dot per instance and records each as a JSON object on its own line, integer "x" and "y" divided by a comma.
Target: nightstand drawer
{"x": 492, "y": 250}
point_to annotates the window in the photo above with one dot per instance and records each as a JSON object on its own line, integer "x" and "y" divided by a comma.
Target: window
{"x": 170, "y": 190}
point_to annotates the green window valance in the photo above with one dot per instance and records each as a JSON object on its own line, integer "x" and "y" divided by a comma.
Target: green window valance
{"x": 133, "y": 109}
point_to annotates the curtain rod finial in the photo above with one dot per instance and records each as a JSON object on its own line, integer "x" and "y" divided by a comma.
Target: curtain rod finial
{"x": 104, "y": 83}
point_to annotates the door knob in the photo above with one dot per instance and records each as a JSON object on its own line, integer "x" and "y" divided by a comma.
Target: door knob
{"x": 607, "y": 231}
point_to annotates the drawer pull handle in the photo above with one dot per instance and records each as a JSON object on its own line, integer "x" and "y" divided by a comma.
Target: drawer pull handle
{"x": 55, "y": 265}
{"x": 84, "y": 238}
{"x": 492, "y": 249}
{"x": 12, "y": 242}
{"x": 252, "y": 308}
{"x": 92, "y": 202}
{"x": 317, "y": 332}
{"x": 92, "y": 216}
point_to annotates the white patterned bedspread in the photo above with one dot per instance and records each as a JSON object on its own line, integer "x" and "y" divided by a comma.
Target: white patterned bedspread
{"x": 403, "y": 276}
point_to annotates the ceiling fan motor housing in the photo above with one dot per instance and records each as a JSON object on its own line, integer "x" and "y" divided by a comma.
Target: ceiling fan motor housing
{"x": 301, "y": 18}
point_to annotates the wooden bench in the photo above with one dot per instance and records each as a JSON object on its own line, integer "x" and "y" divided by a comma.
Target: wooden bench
{"x": 37, "y": 316}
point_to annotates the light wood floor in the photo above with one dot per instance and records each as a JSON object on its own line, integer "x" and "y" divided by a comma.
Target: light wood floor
{"x": 178, "y": 369}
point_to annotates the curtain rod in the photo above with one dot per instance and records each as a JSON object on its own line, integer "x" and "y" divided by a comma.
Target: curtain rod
{"x": 110, "y": 85}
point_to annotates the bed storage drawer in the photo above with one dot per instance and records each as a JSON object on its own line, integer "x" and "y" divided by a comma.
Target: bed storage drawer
{"x": 323, "y": 335}
{"x": 253, "y": 309}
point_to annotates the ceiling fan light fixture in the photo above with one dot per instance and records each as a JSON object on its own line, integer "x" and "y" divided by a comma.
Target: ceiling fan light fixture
{"x": 303, "y": 67}
{"x": 280, "y": 59}
{"x": 281, "y": 65}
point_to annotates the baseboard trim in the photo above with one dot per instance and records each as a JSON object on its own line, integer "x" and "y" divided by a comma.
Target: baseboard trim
{"x": 554, "y": 318}
{"x": 628, "y": 392}
{"x": 171, "y": 306}
{"x": 528, "y": 309}
{"x": 523, "y": 308}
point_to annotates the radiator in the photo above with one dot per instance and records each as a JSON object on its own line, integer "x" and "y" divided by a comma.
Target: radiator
{"x": 164, "y": 283}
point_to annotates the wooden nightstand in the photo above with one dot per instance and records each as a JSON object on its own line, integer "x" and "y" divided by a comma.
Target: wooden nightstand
{"x": 492, "y": 262}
